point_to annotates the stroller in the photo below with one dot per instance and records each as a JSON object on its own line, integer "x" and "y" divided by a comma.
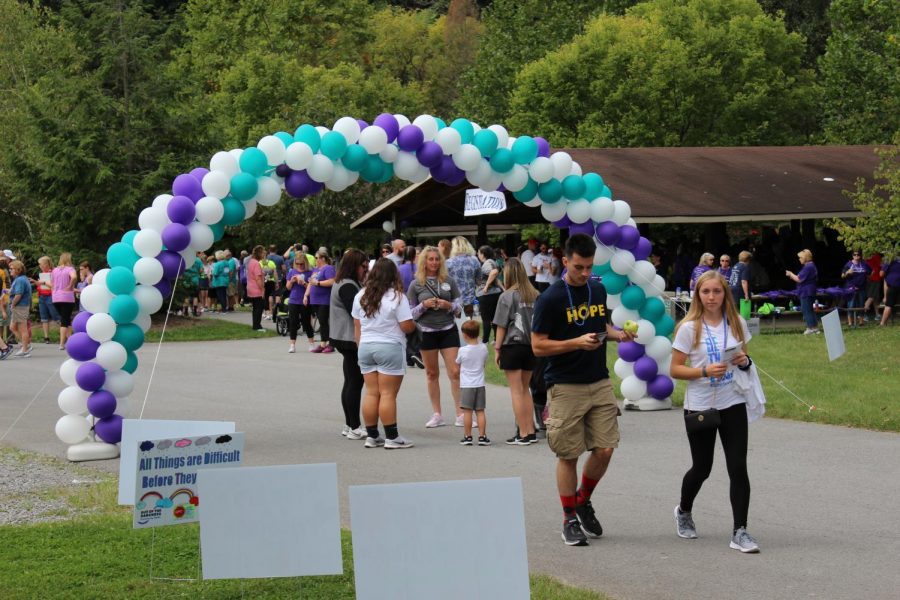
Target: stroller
{"x": 281, "y": 317}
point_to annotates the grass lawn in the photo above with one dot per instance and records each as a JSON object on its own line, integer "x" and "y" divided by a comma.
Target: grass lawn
{"x": 859, "y": 389}
{"x": 101, "y": 556}
{"x": 180, "y": 329}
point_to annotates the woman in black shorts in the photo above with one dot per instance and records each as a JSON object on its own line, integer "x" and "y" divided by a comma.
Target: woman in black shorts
{"x": 512, "y": 346}
{"x": 435, "y": 301}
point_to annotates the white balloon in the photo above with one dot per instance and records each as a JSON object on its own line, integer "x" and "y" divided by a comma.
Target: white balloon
{"x": 341, "y": 178}
{"x": 225, "y": 163}
{"x": 664, "y": 366}
{"x": 620, "y": 314}
{"x": 658, "y": 348}
{"x": 388, "y": 226}
{"x": 422, "y": 174}
{"x": 642, "y": 273}
{"x": 148, "y": 271}
{"x": 646, "y": 331}
{"x": 541, "y": 169}
{"x": 633, "y": 388}
{"x": 481, "y": 175}
{"x": 147, "y": 242}
{"x": 202, "y": 237}
{"x": 576, "y": 170}
{"x": 321, "y": 169}
{"x": 96, "y": 298}
{"x": 119, "y": 383}
{"x": 555, "y": 211}
{"x": 162, "y": 201}
{"x": 389, "y": 153}
{"x": 613, "y": 301}
{"x": 153, "y": 218}
{"x": 273, "y": 148}
{"x": 209, "y": 210}
{"x": 298, "y": 156}
{"x": 99, "y": 277}
{"x": 623, "y": 368}
{"x": 374, "y": 139}
{"x": 475, "y": 127}
{"x": 402, "y": 120}
{"x": 406, "y": 166}
{"x": 534, "y": 202}
{"x": 148, "y": 298}
{"x": 268, "y": 193}
{"x": 217, "y": 183}
{"x": 467, "y": 158}
{"x": 516, "y": 179}
{"x": 621, "y": 212}
{"x": 101, "y": 327}
{"x": 73, "y": 400}
{"x": 449, "y": 140}
{"x": 428, "y": 125}
{"x": 67, "y": 371}
{"x": 502, "y": 135}
{"x": 659, "y": 285}
{"x": 562, "y": 164}
{"x": 622, "y": 262}
{"x": 236, "y": 155}
{"x": 123, "y": 407}
{"x": 631, "y": 222}
{"x": 511, "y": 142}
{"x": 349, "y": 128}
{"x": 143, "y": 320}
{"x": 111, "y": 356}
{"x": 249, "y": 211}
{"x": 603, "y": 254}
{"x": 322, "y": 130}
{"x": 493, "y": 182}
{"x": 579, "y": 211}
{"x": 72, "y": 429}
{"x": 601, "y": 210}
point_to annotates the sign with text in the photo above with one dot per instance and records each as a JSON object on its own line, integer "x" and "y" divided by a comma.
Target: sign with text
{"x": 166, "y": 480}
{"x": 480, "y": 202}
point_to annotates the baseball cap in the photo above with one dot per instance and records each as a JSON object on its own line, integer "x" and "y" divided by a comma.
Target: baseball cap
{"x": 8, "y": 254}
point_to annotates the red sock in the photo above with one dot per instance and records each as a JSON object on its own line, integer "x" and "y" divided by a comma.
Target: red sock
{"x": 586, "y": 489}
{"x": 568, "y": 504}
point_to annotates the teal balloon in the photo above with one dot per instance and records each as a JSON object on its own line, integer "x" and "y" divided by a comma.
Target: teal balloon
{"x": 665, "y": 325}
{"x": 525, "y": 150}
{"x": 550, "y": 191}
{"x": 502, "y": 161}
{"x": 593, "y": 186}
{"x": 601, "y": 270}
{"x": 606, "y": 193}
{"x": 120, "y": 280}
{"x": 131, "y": 362}
{"x": 440, "y": 123}
{"x": 528, "y": 192}
{"x": 486, "y": 141}
{"x": 465, "y": 129}
{"x": 653, "y": 309}
{"x": 373, "y": 171}
{"x": 387, "y": 172}
{"x": 633, "y": 297}
{"x": 355, "y": 158}
{"x": 309, "y": 136}
{"x": 614, "y": 283}
{"x": 128, "y": 237}
{"x": 234, "y": 212}
{"x": 121, "y": 254}
{"x": 129, "y": 335}
{"x": 124, "y": 309}
{"x": 334, "y": 144}
{"x": 573, "y": 187}
{"x": 286, "y": 138}
{"x": 243, "y": 187}
{"x": 253, "y": 161}
{"x": 218, "y": 230}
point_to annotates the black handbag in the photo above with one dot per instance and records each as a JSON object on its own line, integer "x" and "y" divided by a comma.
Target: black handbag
{"x": 702, "y": 420}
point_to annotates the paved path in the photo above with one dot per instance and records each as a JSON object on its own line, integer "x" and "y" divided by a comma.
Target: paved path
{"x": 824, "y": 507}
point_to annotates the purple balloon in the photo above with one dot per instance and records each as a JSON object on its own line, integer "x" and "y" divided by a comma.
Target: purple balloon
{"x": 176, "y": 237}
{"x": 181, "y": 210}
{"x": 101, "y": 404}
{"x": 164, "y": 287}
{"x": 298, "y": 184}
{"x": 630, "y": 351}
{"x": 389, "y": 123}
{"x": 187, "y": 185}
{"x": 109, "y": 429}
{"x": 643, "y": 249}
{"x": 564, "y": 222}
{"x": 79, "y": 323}
{"x": 457, "y": 177}
{"x": 81, "y": 347}
{"x": 316, "y": 187}
{"x": 283, "y": 170}
{"x": 645, "y": 368}
{"x": 608, "y": 233}
{"x": 661, "y": 387}
{"x": 543, "y": 147}
{"x": 447, "y": 168}
{"x": 629, "y": 237}
{"x": 90, "y": 376}
{"x": 199, "y": 173}
{"x": 362, "y": 124}
{"x": 171, "y": 262}
{"x": 430, "y": 155}
{"x": 410, "y": 138}
{"x": 586, "y": 228}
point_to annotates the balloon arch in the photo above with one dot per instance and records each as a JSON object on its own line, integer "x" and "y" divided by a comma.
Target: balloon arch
{"x": 145, "y": 264}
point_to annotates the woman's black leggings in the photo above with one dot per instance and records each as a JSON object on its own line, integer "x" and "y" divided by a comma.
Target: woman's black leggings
{"x": 298, "y": 314}
{"x": 733, "y": 431}
{"x": 351, "y": 393}
{"x": 257, "y": 304}
{"x": 222, "y": 297}
{"x": 322, "y": 312}
{"x": 487, "y": 306}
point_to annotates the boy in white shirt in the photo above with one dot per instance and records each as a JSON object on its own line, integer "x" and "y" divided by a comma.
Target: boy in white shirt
{"x": 471, "y": 359}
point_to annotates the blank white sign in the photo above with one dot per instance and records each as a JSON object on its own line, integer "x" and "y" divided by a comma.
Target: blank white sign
{"x": 435, "y": 540}
{"x": 135, "y": 431}
{"x": 279, "y": 521}
{"x": 834, "y": 336}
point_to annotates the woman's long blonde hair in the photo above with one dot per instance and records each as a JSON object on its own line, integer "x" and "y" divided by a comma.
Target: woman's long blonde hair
{"x": 461, "y": 246}
{"x": 514, "y": 278}
{"x": 420, "y": 265}
{"x": 65, "y": 259}
{"x": 695, "y": 312}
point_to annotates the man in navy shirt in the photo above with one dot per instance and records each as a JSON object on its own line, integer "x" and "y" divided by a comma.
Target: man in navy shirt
{"x": 570, "y": 327}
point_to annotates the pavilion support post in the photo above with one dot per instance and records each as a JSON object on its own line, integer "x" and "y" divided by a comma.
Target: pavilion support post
{"x": 808, "y": 233}
{"x": 481, "y": 239}
{"x": 716, "y": 238}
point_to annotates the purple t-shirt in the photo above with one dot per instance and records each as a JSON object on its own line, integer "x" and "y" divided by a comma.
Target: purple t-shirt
{"x": 892, "y": 273}
{"x": 696, "y": 273}
{"x": 860, "y": 273}
{"x": 407, "y": 272}
{"x": 297, "y": 290}
{"x": 322, "y": 295}
{"x": 809, "y": 278}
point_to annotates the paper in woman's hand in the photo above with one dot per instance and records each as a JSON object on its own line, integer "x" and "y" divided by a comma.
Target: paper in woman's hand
{"x": 728, "y": 354}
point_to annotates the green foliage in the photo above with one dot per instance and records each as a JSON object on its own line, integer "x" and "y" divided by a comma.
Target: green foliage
{"x": 879, "y": 229}
{"x": 861, "y": 72}
{"x": 672, "y": 73}
{"x": 809, "y": 18}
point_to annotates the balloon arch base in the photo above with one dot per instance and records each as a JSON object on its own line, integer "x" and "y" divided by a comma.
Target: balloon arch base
{"x": 645, "y": 404}
{"x": 92, "y": 451}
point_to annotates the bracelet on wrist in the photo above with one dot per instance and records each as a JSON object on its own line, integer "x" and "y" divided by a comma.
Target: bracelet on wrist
{"x": 702, "y": 371}
{"x": 747, "y": 366}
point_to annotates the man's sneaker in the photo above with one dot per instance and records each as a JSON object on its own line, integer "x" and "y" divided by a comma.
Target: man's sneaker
{"x": 572, "y": 534}
{"x": 357, "y": 434}
{"x": 588, "y": 520}
{"x": 374, "y": 442}
{"x": 436, "y": 420}
{"x": 46, "y": 340}
{"x": 518, "y": 441}
{"x": 5, "y": 353}
{"x": 684, "y": 524}
{"x": 345, "y": 430}
{"x": 459, "y": 421}
{"x": 397, "y": 443}
{"x": 416, "y": 361}
{"x": 483, "y": 440}
{"x": 743, "y": 541}
{"x": 466, "y": 441}
{"x": 532, "y": 438}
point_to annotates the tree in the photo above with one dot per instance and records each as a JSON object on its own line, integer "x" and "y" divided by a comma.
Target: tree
{"x": 671, "y": 73}
{"x": 809, "y": 18}
{"x": 861, "y": 72}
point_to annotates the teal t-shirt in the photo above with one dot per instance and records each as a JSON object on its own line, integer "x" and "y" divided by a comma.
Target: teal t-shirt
{"x": 220, "y": 274}
{"x": 193, "y": 272}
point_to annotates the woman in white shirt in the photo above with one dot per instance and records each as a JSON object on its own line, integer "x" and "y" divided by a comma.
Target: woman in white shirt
{"x": 712, "y": 330}
{"x": 381, "y": 320}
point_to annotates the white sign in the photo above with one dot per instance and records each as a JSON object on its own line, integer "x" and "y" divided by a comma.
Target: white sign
{"x": 480, "y": 202}
{"x": 834, "y": 336}
{"x": 166, "y": 481}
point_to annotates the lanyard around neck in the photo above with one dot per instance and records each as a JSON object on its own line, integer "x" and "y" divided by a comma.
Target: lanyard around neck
{"x": 572, "y": 304}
